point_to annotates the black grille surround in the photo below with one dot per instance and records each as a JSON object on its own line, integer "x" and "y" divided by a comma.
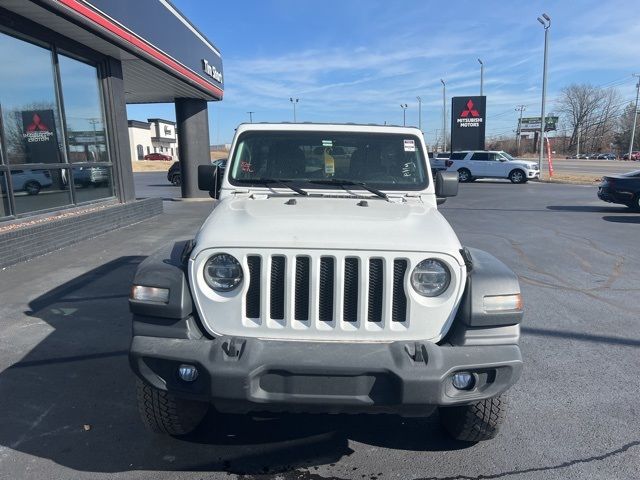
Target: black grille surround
{"x": 252, "y": 303}
{"x": 351, "y": 289}
{"x": 301, "y": 294}
{"x": 327, "y": 283}
{"x": 376, "y": 288}
{"x": 278, "y": 265}
{"x": 399, "y": 303}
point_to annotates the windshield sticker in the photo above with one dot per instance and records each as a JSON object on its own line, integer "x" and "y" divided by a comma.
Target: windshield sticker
{"x": 246, "y": 167}
{"x": 409, "y": 146}
{"x": 327, "y": 143}
{"x": 329, "y": 164}
{"x": 409, "y": 169}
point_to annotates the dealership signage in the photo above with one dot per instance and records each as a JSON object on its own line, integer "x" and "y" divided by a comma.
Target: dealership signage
{"x": 533, "y": 124}
{"x": 39, "y": 135}
{"x": 468, "y": 116}
{"x": 211, "y": 70}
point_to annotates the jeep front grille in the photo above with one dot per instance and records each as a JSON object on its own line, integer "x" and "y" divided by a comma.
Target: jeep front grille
{"x": 339, "y": 294}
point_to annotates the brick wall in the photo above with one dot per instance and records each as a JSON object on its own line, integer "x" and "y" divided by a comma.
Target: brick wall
{"x": 28, "y": 241}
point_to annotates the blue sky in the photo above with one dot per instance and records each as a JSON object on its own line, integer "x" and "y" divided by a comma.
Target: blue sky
{"x": 358, "y": 60}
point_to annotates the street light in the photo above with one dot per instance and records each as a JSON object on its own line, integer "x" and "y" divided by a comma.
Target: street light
{"x": 546, "y": 23}
{"x": 635, "y": 116}
{"x": 419, "y": 113}
{"x": 444, "y": 115}
{"x": 251, "y": 116}
{"x": 294, "y": 101}
{"x": 481, "y": 75}
{"x": 404, "y": 106}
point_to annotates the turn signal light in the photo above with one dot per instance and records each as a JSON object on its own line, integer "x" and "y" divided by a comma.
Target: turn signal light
{"x": 503, "y": 303}
{"x": 150, "y": 294}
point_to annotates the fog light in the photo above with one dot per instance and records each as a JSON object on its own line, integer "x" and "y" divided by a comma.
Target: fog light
{"x": 463, "y": 380}
{"x": 188, "y": 373}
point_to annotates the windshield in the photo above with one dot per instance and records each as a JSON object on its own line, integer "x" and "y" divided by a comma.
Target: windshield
{"x": 378, "y": 160}
{"x": 508, "y": 157}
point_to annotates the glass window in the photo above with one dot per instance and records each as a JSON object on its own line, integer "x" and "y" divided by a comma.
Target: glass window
{"x": 39, "y": 189}
{"x": 458, "y": 155}
{"x": 86, "y": 138}
{"x": 381, "y": 160}
{"x": 482, "y": 156}
{"x": 4, "y": 196}
{"x": 31, "y": 123}
{"x": 92, "y": 182}
{"x": 140, "y": 152}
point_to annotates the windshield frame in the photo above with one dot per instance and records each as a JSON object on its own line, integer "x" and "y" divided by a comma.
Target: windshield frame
{"x": 307, "y": 183}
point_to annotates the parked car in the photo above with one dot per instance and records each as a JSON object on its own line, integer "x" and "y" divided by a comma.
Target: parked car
{"x": 607, "y": 156}
{"x": 157, "y": 156}
{"x": 623, "y": 189}
{"x": 87, "y": 176}
{"x": 30, "y": 181}
{"x": 437, "y": 161}
{"x": 282, "y": 303}
{"x": 174, "y": 174}
{"x": 634, "y": 156}
{"x": 474, "y": 164}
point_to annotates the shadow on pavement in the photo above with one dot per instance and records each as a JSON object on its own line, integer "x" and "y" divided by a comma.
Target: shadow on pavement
{"x": 630, "y": 219}
{"x": 72, "y": 400}
{"x": 588, "y": 208}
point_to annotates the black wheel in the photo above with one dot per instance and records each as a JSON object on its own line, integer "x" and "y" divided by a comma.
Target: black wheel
{"x": 635, "y": 203}
{"x": 475, "y": 422}
{"x": 32, "y": 187}
{"x": 464, "y": 175}
{"x": 176, "y": 179}
{"x": 163, "y": 412}
{"x": 517, "y": 176}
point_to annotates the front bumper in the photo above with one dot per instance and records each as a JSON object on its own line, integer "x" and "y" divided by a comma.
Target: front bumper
{"x": 250, "y": 374}
{"x": 614, "y": 196}
{"x": 533, "y": 173}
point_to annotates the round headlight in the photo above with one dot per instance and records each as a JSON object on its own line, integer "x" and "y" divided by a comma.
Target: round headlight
{"x": 430, "y": 278}
{"x": 223, "y": 272}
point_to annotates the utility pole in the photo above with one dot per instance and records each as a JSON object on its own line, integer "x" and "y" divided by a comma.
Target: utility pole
{"x": 546, "y": 23}
{"x": 578, "y": 143}
{"x": 294, "y": 101}
{"x": 251, "y": 116}
{"x": 635, "y": 116}
{"x": 404, "y": 106}
{"x": 444, "y": 115}
{"x": 481, "y": 75}
{"x": 419, "y": 113}
{"x": 519, "y": 108}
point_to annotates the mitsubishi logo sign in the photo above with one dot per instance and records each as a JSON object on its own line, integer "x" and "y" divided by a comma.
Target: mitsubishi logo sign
{"x": 469, "y": 110}
{"x": 467, "y": 123}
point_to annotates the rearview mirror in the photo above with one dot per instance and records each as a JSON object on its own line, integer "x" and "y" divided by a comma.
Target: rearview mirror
{"x": 209, "y": 179}
{"x": 446, "y": 184}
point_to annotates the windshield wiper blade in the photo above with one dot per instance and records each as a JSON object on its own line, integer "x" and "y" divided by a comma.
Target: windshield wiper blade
{"x": 345, "y": 183}
{"x": 271, "y": 181}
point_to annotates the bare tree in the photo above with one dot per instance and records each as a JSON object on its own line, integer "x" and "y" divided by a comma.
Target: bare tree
{"x": 592, "y": 111}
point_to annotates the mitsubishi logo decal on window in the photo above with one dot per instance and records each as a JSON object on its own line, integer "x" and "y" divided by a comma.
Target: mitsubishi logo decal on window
{"x": 37, "y": 124}
{"x": 469, "y": 110}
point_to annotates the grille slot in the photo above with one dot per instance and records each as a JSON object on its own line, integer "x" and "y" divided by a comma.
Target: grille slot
{"x": 252, "y": 306}
{"x": 301, "y": 311}
{"x": 376, "y": 282}
{"x": 327, "y": 282}
{"x": 399, "y": 303}
{"x": 351, "y": 278}
{"x": 277, "y": 287}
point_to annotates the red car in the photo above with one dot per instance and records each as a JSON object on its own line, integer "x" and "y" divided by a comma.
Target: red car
{"x": 157, "y": 156}
{"x": 634, "y": 156}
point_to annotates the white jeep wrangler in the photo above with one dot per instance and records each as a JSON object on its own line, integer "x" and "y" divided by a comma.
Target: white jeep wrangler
{"x": 325, "y": 280}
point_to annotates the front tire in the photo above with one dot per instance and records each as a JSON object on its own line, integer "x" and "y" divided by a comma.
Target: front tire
{"x": 475, "y": 422}
{"x": 176, "y": 180}
{"x": 163, "y": 412}
{"x": 635, "y": 203}
{"x": 517, "y": 176}
{"x": 32, "y": 187}
{"x": 464, "y": 175}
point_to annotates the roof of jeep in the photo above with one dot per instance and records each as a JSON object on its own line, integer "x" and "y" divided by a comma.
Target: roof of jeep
{"x": 324, "y": 127}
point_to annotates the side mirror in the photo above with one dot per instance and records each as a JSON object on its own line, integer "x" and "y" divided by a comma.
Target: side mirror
{"x": 210, "y": 179}
{"x": 446, "y": 184}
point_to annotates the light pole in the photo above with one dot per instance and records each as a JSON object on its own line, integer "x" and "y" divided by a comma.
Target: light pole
{"x": 444, "y": 115}
{"x": 404, "y": 106}
{"x": 294, "y": 101}
{"x": 481, "y": 75}
{"x": 251, "y": 116}
{"x": 520, "y": 108}
{"x": 419, "y": 113}
{"x": 635, "y": 116}
{"x": 546, "y": 23}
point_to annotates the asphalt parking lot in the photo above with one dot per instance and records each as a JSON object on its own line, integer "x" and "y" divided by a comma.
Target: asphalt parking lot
{"x": 67, "y": 394}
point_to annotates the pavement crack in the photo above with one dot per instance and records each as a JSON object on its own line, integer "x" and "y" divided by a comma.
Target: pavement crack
{"x": 596, "y": 458}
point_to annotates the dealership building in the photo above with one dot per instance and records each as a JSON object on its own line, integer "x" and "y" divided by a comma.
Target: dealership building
{"x": 156, "y": 135}
{"x": 69, "y": 68}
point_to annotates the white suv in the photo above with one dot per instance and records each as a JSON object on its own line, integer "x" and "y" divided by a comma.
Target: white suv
{"x": 325, "y": 280}
{"x": 473, "y": 164}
